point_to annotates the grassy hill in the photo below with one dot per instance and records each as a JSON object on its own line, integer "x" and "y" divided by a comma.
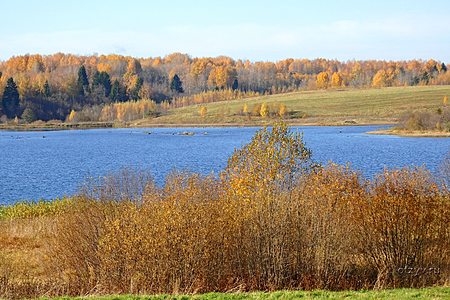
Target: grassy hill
{"x": 366, "y": 106}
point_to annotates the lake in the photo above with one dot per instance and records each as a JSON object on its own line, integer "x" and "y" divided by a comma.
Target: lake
{"x": 49, "y": 164}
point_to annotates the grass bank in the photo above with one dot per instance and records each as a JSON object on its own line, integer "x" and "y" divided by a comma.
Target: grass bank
{"x": 399, "y": 294}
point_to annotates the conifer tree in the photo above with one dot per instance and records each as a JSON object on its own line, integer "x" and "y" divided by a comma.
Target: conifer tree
{"x": 10, "y": 99}
{"x": 118, "y": 93}
{"x": 102, "y": 79}
{"x": 134, "y": 90}
{"x": 82, "y": 81}
{"x": 176, "y": 85}
{"x": 46, "y": 91}
{"x": 235, "y": 85}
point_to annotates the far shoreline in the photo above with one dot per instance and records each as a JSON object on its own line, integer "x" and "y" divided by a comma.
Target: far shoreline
{"x": 110, "y": 125}
{"x": 134, "y": 124}
{"x": 409, "y": 133}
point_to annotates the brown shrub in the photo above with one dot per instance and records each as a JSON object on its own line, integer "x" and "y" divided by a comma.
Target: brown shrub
{"x": 74, "y": 249}
{"x": 404, "y": 224}
{"x": 328, "y": 253}
{"x": 427, "y": 120}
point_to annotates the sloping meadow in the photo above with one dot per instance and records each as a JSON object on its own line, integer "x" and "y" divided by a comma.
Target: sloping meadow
{"x": 273, "y": 219}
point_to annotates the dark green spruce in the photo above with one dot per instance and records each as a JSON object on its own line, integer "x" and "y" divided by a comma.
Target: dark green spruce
{"x": 10, "y": 99}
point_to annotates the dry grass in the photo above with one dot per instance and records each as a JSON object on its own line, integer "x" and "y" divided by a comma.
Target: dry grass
{"x": 24, "y": 262}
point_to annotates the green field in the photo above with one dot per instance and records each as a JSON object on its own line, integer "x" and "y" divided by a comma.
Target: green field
{"x": 427, "y": 293}
{"x": 363, "y": 106}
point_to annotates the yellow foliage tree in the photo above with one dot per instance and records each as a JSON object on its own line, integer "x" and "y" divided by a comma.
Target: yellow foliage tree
{"x": 221, "y": 77}
{"x": 203, "y": 111}
{"x": 120, "y": 112}
{"x": 322, "y": 80}
{"x": 282, "y": 110}
{"x": 134, "y": 66}
{"x": 106, "y": 113}
{"x": 336, "y": 79}
{"x": 72, "y": 116}
{"x": 104, "y": 67}
{"x": 245, "y": 109}
{"x": 270, "y": 161}
{"x": 380, "y": 79}
{"x": 145, "y": 91}
{"x": 445, "y": 101}
{"x": 199, "y": 67}
{"x": 264, "y": 111}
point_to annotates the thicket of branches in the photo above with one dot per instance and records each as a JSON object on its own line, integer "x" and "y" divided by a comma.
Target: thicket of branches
{"x": 273, "y": 219}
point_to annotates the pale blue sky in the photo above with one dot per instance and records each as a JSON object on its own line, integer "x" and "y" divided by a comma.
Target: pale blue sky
{"x": 256, "y": 30}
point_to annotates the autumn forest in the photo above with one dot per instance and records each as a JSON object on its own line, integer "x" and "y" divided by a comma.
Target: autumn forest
{"x": 50, "y": 87}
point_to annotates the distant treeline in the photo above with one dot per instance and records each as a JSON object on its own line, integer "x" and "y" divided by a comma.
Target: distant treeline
{"x": 51, "y": 86}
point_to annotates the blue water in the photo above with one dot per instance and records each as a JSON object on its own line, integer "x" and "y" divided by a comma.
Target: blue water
{"x": 46, "y": 165}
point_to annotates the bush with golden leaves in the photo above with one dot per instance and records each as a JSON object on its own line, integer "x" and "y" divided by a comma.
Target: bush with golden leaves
{"x": 273, "y": 219}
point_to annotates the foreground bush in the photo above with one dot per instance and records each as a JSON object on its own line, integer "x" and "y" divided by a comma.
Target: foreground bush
{"x": 272, "y": 220}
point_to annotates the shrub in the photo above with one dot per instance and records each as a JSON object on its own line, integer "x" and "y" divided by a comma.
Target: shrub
{"x": 273, "y": 219}
{"x": 403, "y": 224}
{"x": 434, "y": 121}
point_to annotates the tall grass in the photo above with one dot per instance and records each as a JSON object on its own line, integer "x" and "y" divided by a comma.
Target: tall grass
{"x": 273, "y": 219}
{"x": 24, "y": 210}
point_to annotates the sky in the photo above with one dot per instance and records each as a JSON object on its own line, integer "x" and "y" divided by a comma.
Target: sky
{"x": 246, "y": 29}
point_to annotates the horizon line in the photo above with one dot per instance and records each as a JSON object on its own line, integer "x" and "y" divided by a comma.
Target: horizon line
{"x": 96, "y": 54}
